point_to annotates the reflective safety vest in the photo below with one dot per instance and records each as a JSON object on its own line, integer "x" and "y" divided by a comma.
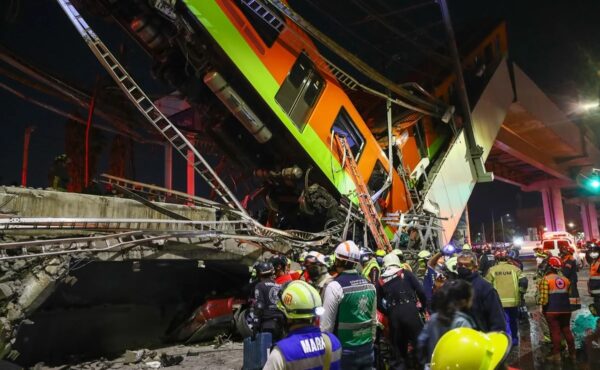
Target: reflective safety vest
{"x": 505, "y": 279}
{"x": 366, "y": 272}
{"x": 594, "y": 283}
{"x": 307, "y": 348}
{"x": 558, "y": 294}
{"x": 355, "y": 323}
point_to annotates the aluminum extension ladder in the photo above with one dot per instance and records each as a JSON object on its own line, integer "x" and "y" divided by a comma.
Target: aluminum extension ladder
{"x": 364, "y": 197}
{"x": 137, "y": 96}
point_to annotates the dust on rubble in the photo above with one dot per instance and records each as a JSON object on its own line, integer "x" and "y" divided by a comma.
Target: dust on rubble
{"x": 228, "y": 356}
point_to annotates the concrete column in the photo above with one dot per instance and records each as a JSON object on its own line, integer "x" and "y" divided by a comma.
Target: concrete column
{"x": 594, "y": 234}
{"x": 584, "y": 210}
{"x": 553, "y": 209}
{"x": 168, "y": 166}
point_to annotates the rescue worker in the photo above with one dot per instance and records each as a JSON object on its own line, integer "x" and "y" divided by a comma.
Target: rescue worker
{"x": 351, "y": 309}
{"x": 315, "y": 267}
{"x": 554, "y": 298}
{"x": 487, "y": 308}
{"x": 593, "y": 259}
{"x": 58, "y": 176}
{"x": 508, "y": 281}
{"x": 487, "y": 259}
{"x": 280, "y": 263}
{"x": 422, "y": 259}
{"x": 397, "y": 294}
{"x": 400, "y": 255}
{"x": 569, "y": 270}
{"x": 370, "y": 266}
{"x": 466, "y": 247}
{"x": 435, "y": 267}
{"x": 465, "y": 348}
{"x": 379, "y": 254}
{"x": 414, "y": 239}
{"x": 305, "y": 347}
{"x": 268, "y": 317}
{"x": 400, "y": 239}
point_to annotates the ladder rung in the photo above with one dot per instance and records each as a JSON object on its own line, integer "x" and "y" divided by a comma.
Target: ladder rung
{"x": 140, "y": 99}
{"x": 132, "y": 89}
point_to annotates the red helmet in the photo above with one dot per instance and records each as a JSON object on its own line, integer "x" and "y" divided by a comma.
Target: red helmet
{"x": 555, "y": 262}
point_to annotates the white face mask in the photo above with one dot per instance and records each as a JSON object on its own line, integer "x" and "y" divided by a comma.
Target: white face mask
{"x": 594, "y": 255}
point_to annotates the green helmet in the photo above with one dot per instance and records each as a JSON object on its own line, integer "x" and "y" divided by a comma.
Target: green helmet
{"x": 299, "y": 300}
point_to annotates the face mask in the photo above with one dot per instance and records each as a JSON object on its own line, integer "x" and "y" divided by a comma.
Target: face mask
{"x": 463, "y": 272}
{"x": 594, "y": 255}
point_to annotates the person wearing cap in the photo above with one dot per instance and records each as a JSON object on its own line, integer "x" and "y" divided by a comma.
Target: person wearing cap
{"x": 469, "y": 349}
{"x": 268, "y": 317}
{"x": 397, "y": 294}
{"x": 553, "y": 296}
{"x": 351, "y": 309}
{"x": 315, "y": 268}
{"x": 487, "y": 308}
{"x": 508, "y": 281}
{"x": 305, "y": 346}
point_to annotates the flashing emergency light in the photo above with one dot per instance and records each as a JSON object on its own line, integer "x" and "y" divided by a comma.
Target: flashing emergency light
{"x": 595, "y": 183}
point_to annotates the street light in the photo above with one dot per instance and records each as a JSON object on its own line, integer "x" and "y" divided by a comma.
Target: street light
{"x": 571, "y": 225}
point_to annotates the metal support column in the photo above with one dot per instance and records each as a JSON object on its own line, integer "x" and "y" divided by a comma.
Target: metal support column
{"x": 475, "y": 151}
{"x": 553, "y": 209}
{"x": 26, "y": 140}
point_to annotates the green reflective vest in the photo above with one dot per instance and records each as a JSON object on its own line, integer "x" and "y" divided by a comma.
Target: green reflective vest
{"x": 355, "y": 322}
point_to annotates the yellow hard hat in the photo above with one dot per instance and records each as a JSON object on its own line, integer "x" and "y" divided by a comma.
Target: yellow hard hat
{"x": 467, "y": 349}
{"x": 299, "y": 300}
{"x": 467, "y": 247}
{"x": 380, "y": 253}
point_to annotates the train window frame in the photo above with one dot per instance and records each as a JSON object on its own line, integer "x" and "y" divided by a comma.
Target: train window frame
{"x": 302, "y": 81}
{"x": 343, "y": 118}
{"x": 379, "y": 167}
{"x": 268, "y": 34}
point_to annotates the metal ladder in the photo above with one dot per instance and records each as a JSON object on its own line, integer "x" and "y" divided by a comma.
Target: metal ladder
{"x": 364, "y": 197}
{"x": 428, "y": 226}
{"x": 137, "y": 96}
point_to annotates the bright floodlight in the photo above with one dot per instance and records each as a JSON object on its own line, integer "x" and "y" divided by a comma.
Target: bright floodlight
{"x": 571, "y": 224}
{"x": 595, "y": 183}
{"x": 518, "y": 241}
{"x": 585, "y": 106}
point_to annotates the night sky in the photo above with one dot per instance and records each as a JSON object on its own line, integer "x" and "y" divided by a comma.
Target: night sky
{"x": 552, "y": 41}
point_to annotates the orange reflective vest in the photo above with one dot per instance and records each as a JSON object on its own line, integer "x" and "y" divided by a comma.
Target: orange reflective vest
{"x": 558, "y": 294}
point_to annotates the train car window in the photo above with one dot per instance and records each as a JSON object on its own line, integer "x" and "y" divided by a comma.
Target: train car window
{"x": 344, "y": 126}
{"x": 262, "y": 20}
{"x": 300, "y": 91}
{"x": 377, "y": 178}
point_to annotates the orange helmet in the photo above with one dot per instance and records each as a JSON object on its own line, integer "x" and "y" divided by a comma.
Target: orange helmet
{"x": 555, "y": 262}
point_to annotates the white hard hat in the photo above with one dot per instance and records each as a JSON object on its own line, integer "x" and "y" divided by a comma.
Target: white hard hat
{"x": 391, "y": 259}
{"x": 318, "y": 257}
{"x": 347, "y": 251}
